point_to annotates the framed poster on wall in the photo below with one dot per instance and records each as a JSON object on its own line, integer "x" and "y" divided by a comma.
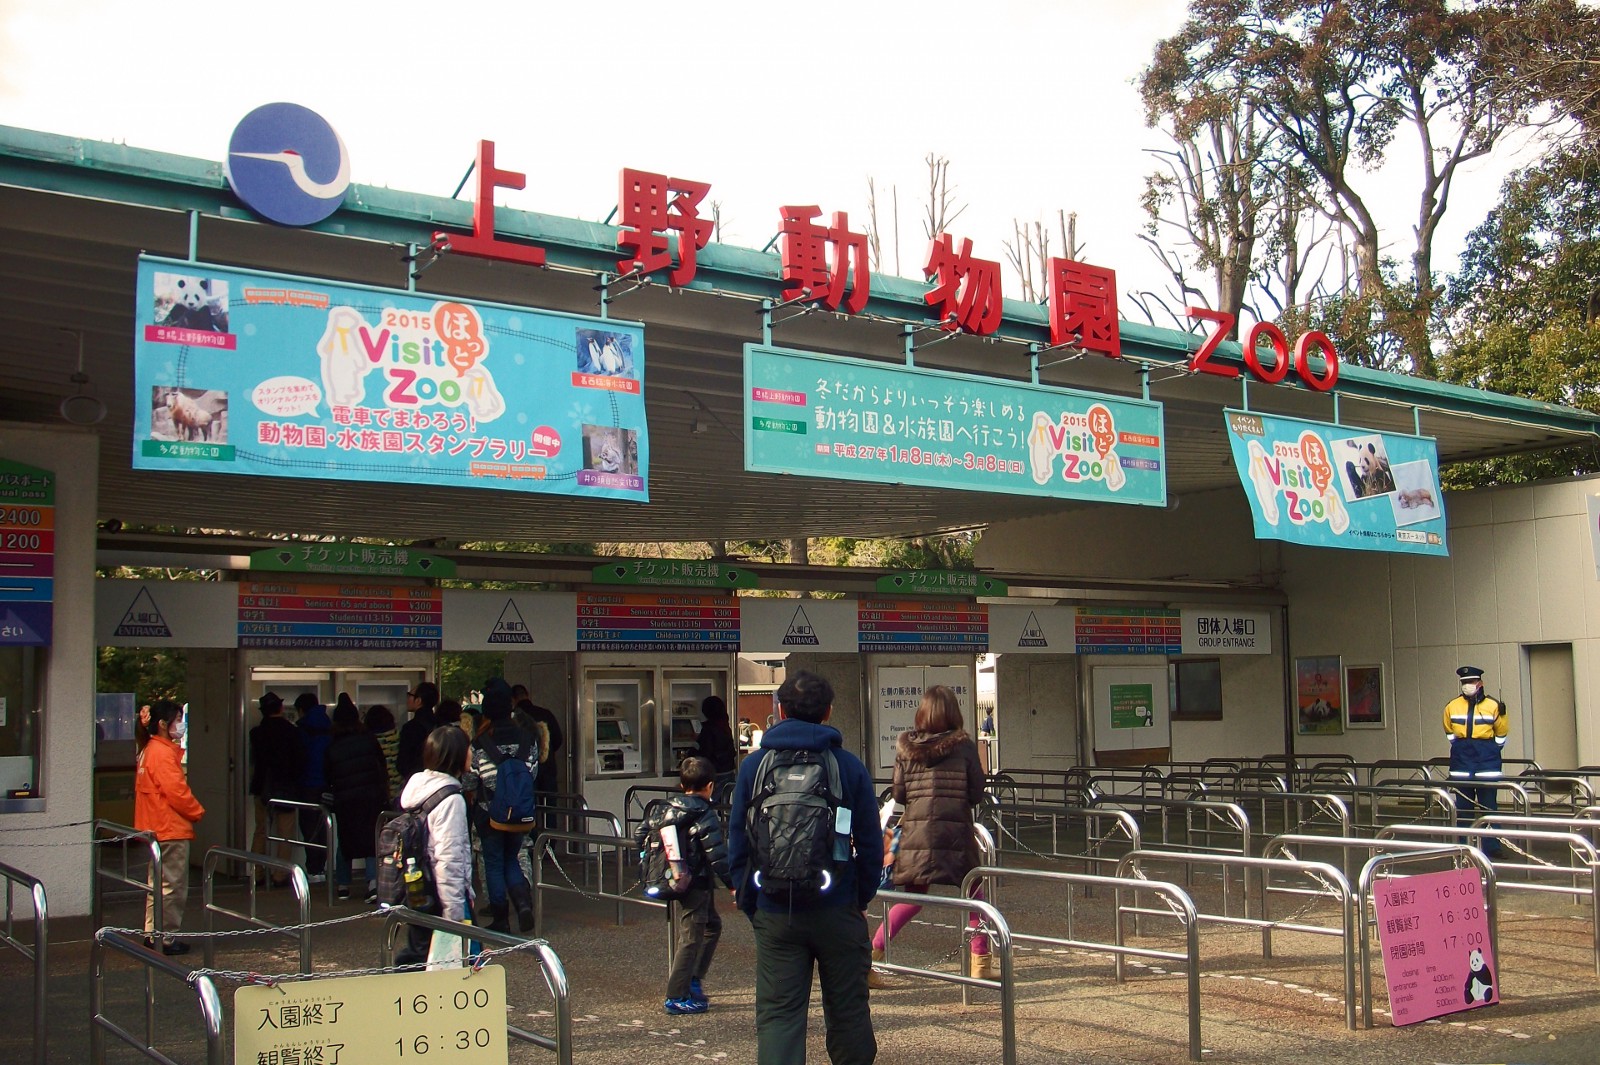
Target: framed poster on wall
{"x": 1363, "y": 696}
{"x": 1318, "y": 696}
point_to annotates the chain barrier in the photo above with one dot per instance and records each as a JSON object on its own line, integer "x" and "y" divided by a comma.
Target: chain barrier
{"x": 66, "y": 842}
{"x": 274, "y": 930}
{"x": 549, "y": 849}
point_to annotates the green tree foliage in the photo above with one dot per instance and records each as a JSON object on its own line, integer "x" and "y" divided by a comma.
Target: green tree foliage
{"x": 1524, "y": 309}
{"x": 464, "y": 671}
{"x": 1335, "y": 81}
{"x": 150, "y": 673}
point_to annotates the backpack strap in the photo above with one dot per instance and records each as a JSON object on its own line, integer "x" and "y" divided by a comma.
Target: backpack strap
{"x": 426, "y": 806}
{"x": 835, "y": 787}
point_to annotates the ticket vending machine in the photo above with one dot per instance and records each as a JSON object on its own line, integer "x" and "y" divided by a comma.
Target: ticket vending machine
{"x": 640, "y": 716}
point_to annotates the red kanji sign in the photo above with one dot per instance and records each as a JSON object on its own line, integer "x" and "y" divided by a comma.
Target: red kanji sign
{"x": 647, "y": 214}
{"x": 483, "y": 242}
{"x": 966, "y": 289}
{"x": 805, "y": 260}
{"x": 1083, "y": 307}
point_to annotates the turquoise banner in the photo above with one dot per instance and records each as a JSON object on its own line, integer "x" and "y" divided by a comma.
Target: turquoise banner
{"x": 250, "y": 373}
{"x": 1339, "y": 486}
{"x": 820, "y": 416}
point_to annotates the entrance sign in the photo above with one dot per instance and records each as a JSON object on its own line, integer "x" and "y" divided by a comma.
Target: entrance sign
{"x": 1226, "y": 631}
{"x": 249, "y": 373}
{"x": 166, "y": 613}
{"x": 820, "y": 416}
{"x": 1336, "y": 486}
{"x": 647, "y": 621}
{"x": 340, "y": 616}
{"x": 518, "y": 620}
{"x": 447, "y": 1016}
{"x": 1434, "y": 934}
{"x": 27, "y": 554}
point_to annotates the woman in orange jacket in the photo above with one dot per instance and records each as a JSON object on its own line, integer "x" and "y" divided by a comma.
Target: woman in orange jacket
{"x": 164, "y": 805}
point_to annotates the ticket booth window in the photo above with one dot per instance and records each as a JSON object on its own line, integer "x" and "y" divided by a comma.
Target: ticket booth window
{"x": 1196, "y": 687}
{"x": 21, "y": 736}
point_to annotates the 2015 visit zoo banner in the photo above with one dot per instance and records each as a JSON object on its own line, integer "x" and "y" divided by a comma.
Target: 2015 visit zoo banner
{"x": 250, "y": 373}
{"x": 824, "y": 416}
{"x": 1339, "y": 486}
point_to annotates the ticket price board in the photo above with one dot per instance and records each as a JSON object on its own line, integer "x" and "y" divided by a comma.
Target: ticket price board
{"x": 27, "y": 554}
{"x": 446, "y": 1017}
{"x": 922, "y": 625}
{"x": 648, "y": 622}
{"x": 340, "y": 616}
{"x": 1434, "y": 932}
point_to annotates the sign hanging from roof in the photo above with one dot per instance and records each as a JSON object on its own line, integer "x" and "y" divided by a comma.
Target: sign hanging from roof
{"x": 288, "y": 164}
{"x": 1338, "y": 486}
{"x": 821, "y": 416}
{"x": 243, "y": 372}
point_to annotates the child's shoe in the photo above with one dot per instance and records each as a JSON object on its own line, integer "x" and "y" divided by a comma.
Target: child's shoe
{"x": 685, "y": 1005}
{"x": 695, "y": 991}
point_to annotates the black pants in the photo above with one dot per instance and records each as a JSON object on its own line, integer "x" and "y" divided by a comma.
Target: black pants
{"x": 834, "y": 938}
{"x": 699, "y": 928}
{"x": 314, "y": 831}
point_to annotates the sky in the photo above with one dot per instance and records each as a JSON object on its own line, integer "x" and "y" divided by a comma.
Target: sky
{"x": 1033, "y": 102}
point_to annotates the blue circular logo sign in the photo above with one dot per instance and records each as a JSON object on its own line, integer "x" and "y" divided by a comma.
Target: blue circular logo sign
{"x": 288, "y": 165}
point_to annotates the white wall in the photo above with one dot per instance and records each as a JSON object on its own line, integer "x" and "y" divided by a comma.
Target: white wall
{"x": 54, "y": 845}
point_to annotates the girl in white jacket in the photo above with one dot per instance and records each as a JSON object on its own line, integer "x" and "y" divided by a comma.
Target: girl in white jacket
{"x": 444, "y": 761}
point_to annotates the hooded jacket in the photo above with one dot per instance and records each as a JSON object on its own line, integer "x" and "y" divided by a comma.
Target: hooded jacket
{"x": 316, "y": 731}
{"x": 449, "y": 846}
{"x": 858, "y": 878}
{"x": 938, "y": 780}
{"x": 162, "y": 801}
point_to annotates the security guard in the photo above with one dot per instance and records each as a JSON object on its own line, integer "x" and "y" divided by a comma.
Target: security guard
{"x": 1476, "y": 726}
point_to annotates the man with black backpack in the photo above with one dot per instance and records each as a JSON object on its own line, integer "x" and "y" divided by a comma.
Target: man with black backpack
{"x": 505, "y": 762}
{"x": 806, "y": 853}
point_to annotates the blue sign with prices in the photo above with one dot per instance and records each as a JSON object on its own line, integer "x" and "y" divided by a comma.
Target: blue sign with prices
{"x": 1338, "y": 485}
{"x": 821, "y": 416}
{"x": 250, "y": 373}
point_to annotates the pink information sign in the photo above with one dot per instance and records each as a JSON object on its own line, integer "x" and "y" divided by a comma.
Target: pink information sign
{"x": 1434, "y": 933}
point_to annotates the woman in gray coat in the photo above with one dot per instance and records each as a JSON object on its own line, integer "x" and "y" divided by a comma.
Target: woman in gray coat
{"x": 938, "y": 781}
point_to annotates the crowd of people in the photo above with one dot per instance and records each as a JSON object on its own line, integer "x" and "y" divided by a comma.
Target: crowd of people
{"x": 444, "y": 762}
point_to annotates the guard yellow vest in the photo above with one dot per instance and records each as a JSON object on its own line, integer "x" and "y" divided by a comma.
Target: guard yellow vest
{"x": 1484, "y": 721}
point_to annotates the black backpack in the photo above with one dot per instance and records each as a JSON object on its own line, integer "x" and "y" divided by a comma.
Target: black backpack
{"x": 403, "y": 839}
{"x": 794, "y": 802}
{"x": 661, "y": 877}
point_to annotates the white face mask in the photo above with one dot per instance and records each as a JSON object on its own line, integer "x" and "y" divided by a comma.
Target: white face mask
{"x": 1469, "y": 689}
{"x": 177, "y": 729}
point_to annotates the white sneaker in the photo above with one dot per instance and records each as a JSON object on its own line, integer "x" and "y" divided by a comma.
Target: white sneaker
{"x": 317, "y": 878}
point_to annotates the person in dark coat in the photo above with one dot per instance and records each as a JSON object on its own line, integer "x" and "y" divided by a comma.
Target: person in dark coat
{"x": 502, "y": 875}
{"x": 938, "y": 781}
{"x": 358, "y": 780}
{"x": 716, "y": 744}
{"x": 420, "y": 701}
{"x": 274, "y": 774}
{"x": 315, "y": 733}
{"x": 546, "y": 782}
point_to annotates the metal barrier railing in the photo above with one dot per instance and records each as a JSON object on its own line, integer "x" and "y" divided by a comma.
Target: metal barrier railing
{"x": 37, "y": 952}
{"x": 1369, "y": 876}
{"x": 1101, "y": 827}
{"x": 1296, "y": 846}
{"x": 999, "y": 934}
{"x": 577, "y": 820}
{"x": 297, "y": 884}
{"x": 555, "y": 975}
{"x": 1334, "y": 883}
{"x": 625, "y": 855}
{"x": 149, "y": 887}
{"x": 1578, "y": 847}
{"x": 1181, "y": 904}
{"x": 1287, "y": 811}
{"x": 1225, "y": 820}
{"x": 153, "y": 962}
{"x": 330, "y": 829}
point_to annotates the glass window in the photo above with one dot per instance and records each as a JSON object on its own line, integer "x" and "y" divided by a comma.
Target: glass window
{"x": 1195, "y": 685}
{"x": 20, "y": 734}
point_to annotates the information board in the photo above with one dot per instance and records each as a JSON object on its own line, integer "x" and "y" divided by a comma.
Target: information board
{"x": 648, "y": 621}
{"x": 915, "y": 625}
{"x": 340, "y": 616}
{"x": 444, "y": 1017}
{"x": 1129, "y": 631}
{"x": 1434, "y": 932}
{"x": 27, "y": 554}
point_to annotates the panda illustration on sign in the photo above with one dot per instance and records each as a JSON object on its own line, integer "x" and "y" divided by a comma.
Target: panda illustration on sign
{"x": 1480, "y": 981}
